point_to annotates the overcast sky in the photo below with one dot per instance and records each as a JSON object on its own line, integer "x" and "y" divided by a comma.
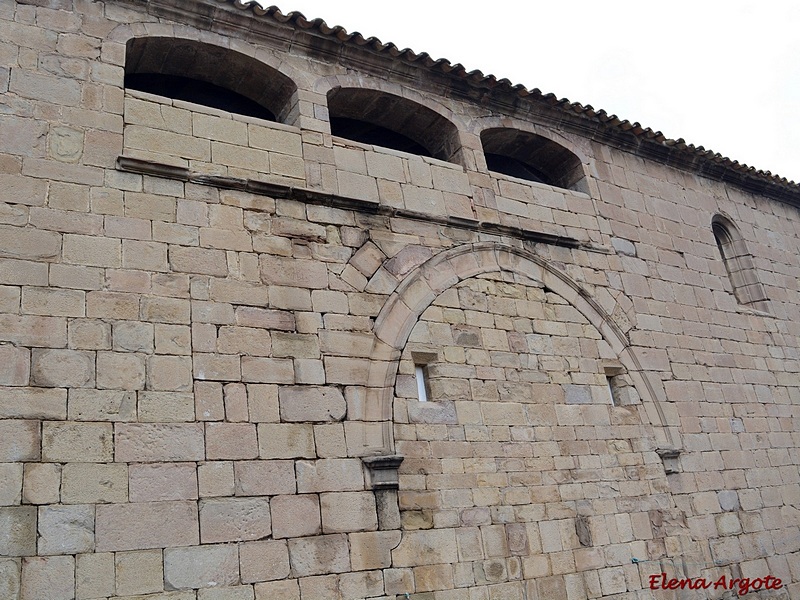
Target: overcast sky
{"x": 720, "y": 74}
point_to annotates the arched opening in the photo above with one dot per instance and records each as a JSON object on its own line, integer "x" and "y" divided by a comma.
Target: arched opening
{"x": 208, "y": 75}
{"x": 381, "y": 119}
{"x": 739, "y": 264}
{"x": 531, "y": 157}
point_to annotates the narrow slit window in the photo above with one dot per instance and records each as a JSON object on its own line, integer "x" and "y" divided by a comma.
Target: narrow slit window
{"x": 613, "y": 390}
{"x": 421, "y": 374}
{"x": 422, "y": 361}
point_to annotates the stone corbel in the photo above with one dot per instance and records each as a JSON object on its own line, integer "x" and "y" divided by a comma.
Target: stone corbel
{"x": 383, "y": 471}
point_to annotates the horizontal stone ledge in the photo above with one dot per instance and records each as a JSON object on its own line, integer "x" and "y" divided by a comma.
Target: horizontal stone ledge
{"x": 274, "y": 190}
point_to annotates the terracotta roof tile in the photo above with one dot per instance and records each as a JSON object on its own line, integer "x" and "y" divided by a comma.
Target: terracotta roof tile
{"x": 702, "y": 160}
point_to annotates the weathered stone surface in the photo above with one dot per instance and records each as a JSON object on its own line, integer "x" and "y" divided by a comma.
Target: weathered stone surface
{"x": 142, "y": 525}
{"x": 93, "y": 483}
{"x": 263, "y": 561}
{"x": 102, "y": 405}
{"x": 62, "y": 368}
{"x": 264, "y": 477}
{"x": 154, "y": 482}
{"x": 296, "y": 515}
{"x": 329, "y": 475}
{"x": 319, "y": 555}
{"x": 206, "y": 566}
{"x": 49, "y": 578}
{"x": 234, "y": 520}
{"x": 311, "y": 403}
{"x": 79, "y": 442}
{"x": 348, "y": 511}
{"x": 33, "y": 403}
{"x": 139, "y": 572}
{"x": 66, "y": 529}
{"x": 285, "y": 440}
{"x": 17, "y": 530}
{"x": 154, "y": 442}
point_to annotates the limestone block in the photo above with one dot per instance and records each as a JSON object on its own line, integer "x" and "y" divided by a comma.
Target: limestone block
{"x": 232, "y": 441}
{"x": 330, "y": 440}
{"x": 32, "y": 403}
{"x": 319, "y": 555}
{"x": 295, "y": 515}
{"x": 101, "y": 405}
{"x": 234, "y": 520}
{"x": 286, "y": 590}
{"x": 165, "y": 407}
{"x": 432, "y": 546}
{"x": 202, "y": 261}
{"x": 398, "y": 581}
{"x": 276, "y": 270}
{"x": 373, "y": 549}
{"x": 169, "y": 373}
{"x": 71, "y": 441}
{"x": 262, "y": 403}
{"x": 248, "y": 316}
{"x": 133, "y": 336}
{"x": 285, "y": 440}
{"x": 238, "y": 592}
{"x": 267, "y": 370}
{"x": 139, "y": 572}
{"x": 15, "y": 365}
{"x": 215, "y": 479}
{"x": 53, "y": 302}
{"x": 120, "y": 371}
{"x": 344, "y": 512}
{"x": 165, "y": 310}
{"x": 92, "y": 251}
{"x": 143, "y": 525}
{"x": 93, "y": 483}
{"x": 295, "y": 345}
{"x": 173, "y": 339}
{"x": 236, "y": 408}
{"x": 353, "y": 185}
{"x": 217, "y": 368}
{"x": 48, "y": 578}
{"x": 155, "y": 442}
{"x": 9, "y": 578}
{"x": 10, "y": 483}
{"x": 112, "y": 305}
{"x": 311, "y": 403}
{"x": 153, "y": 482}
{"x": 206, "y": 566}
{"x": 263, "y": 561}
{"x": 94, "y": 575}
{"x": 290, "y": 298}
{"x": 41, "y": 483}
{"x": 66, "y": 529}
{"x": 264, "y": 477}
{"x": 28, "y": 243}
{"x": 244, "y": 340}
{"x": 62, "y": 368}
{"x": 328, "y": 475}
{"x": 274, "y": 140}
{"x": 17, "y": 531}
{"x": 89, "y": 334}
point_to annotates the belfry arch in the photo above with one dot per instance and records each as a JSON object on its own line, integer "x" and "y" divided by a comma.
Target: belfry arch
{"x": 424, "y": 284}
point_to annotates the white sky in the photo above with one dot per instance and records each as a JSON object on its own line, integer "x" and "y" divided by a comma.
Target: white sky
{"x": 721, "y": 74}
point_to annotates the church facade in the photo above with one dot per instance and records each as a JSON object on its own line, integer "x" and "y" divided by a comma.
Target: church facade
{"x": 290, "y": 313}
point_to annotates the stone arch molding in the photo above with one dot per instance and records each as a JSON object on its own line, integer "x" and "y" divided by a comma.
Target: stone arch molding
{"x": 423, "y": 285}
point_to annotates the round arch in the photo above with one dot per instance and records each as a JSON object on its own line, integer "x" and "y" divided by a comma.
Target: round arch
{"x": 420, "y": 288}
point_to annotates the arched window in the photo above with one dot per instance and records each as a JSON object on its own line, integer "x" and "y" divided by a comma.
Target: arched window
{"x": 739, "y": 264}
{"x": 382, "y": 119}
{"x": 209, "y": 75}
{"x": 532, "y": 157}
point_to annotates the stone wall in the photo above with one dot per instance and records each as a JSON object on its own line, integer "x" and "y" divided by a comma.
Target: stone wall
{"x": 212, "y": 329}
